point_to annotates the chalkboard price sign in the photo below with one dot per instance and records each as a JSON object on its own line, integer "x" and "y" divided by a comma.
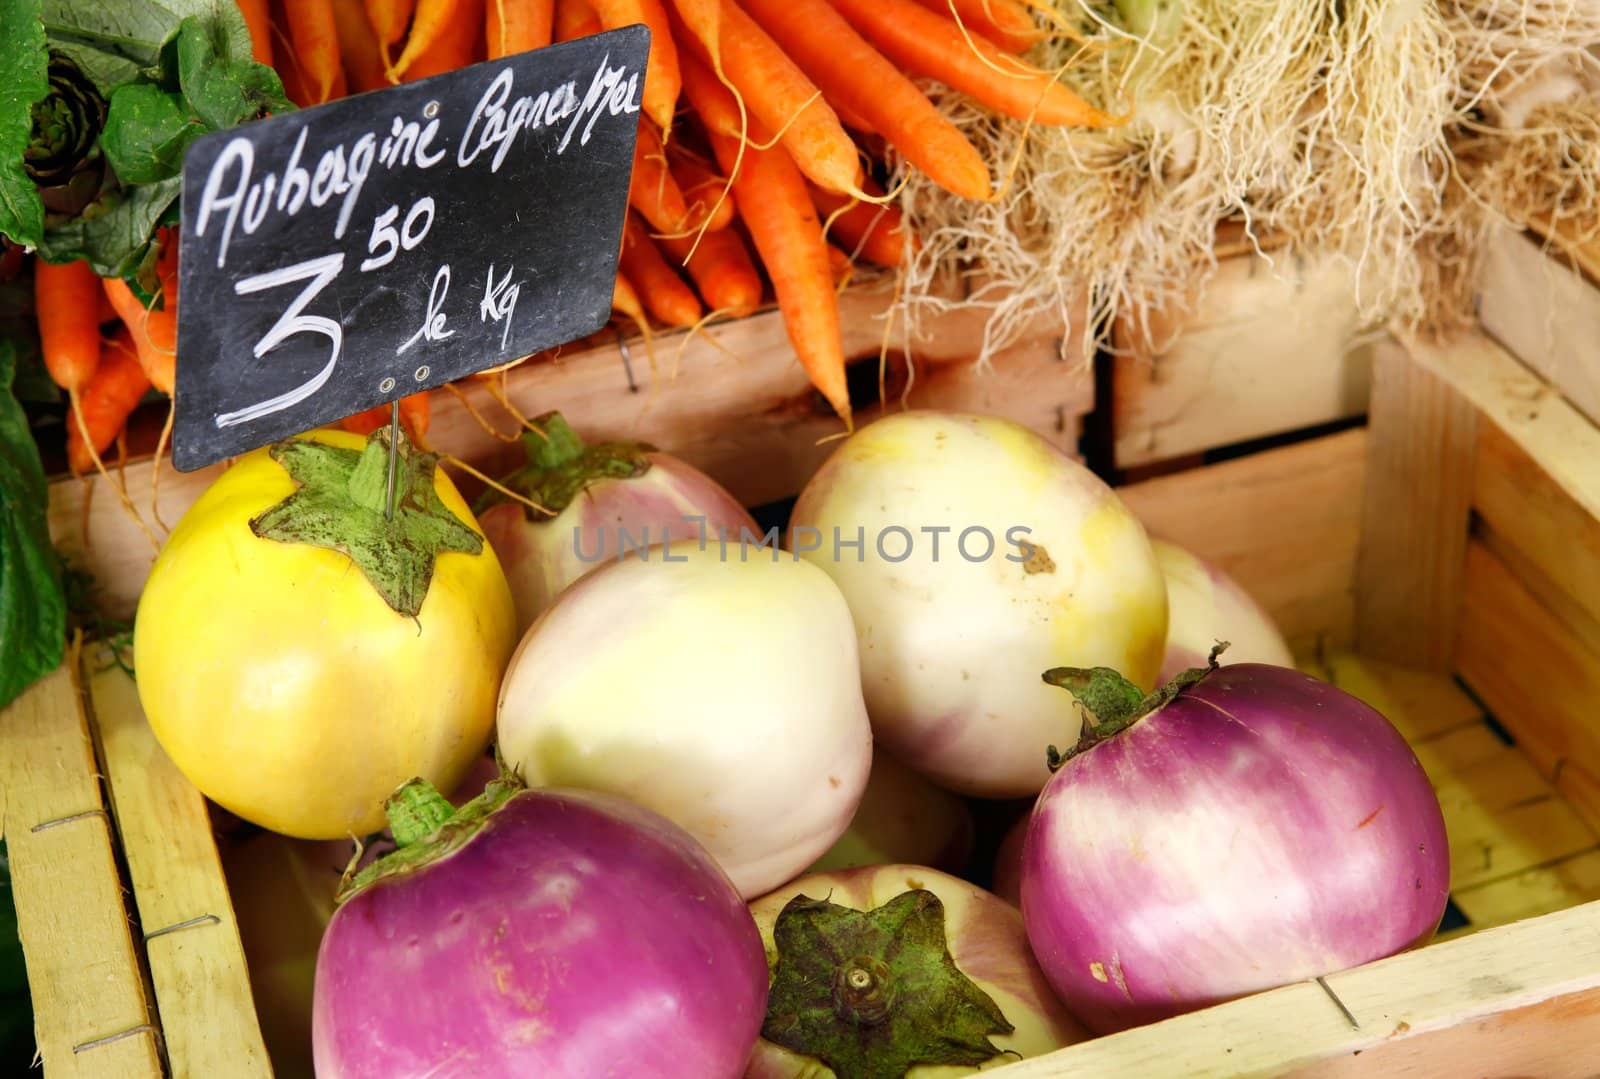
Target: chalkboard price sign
{"x": 350, "y": 254}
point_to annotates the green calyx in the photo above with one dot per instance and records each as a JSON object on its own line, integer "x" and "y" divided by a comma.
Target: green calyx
{"x": 1114, "y": 704}
{"x": 560, "y": 466}
{"x": 426, "y": 827}
{"x": 873, "y": 993}
{"x": 340, "y": 504}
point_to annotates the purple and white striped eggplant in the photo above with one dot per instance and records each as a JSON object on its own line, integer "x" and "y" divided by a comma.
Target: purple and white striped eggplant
{"x": 1244, "y": 827}
{"x": 554, "y": 933}
{"x": 609, "y": 499}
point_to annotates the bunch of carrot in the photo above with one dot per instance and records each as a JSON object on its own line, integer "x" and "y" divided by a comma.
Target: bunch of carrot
{"x": 748, "y": 171}
{"x": 756, "y": 116}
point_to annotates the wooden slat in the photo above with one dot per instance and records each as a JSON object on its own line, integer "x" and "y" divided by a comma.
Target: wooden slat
{"x": 1420, "y": 704}
{"x": 1545, "y": 312}
{"x": 731, "y": 399}
{"x": 1531, "y": 518}
{"x": 1265, "y": 347}
{"x": 1284, "y": 523}
{"x": 1546, "y": 427}
{"x": 91, "y": 1015}
{"x": 1565, "y": 883}
{"x": 1518, "y": 1000}
{"x": 202, "y": 986}
{"x": 1533, "y": 672}
{"x": 1494, "y": 836}
{"x": 1555, "y": 1036}
{"x": 1421, "y": 445}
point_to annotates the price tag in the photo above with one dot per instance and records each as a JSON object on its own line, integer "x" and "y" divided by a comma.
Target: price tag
{"x": 347, "y": 255}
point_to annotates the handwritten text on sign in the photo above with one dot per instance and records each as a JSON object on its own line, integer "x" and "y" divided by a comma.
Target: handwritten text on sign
{"x": 348, "y": 255}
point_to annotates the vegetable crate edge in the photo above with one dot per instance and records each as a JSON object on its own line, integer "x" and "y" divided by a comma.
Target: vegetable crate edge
{"x": 1433, "y": 549}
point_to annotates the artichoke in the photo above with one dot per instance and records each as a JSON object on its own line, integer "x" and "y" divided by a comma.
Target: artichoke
{"x": 63, "y": 158}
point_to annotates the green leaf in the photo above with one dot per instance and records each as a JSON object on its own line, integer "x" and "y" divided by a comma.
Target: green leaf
{"x": 117, "y": 238}
{"x": 147, "y": 131}
{"x": 23, "y": 83}
{"x": 33, "y": 609}
{"x": 224, "y": 90}
{"x": 172, "y": 71}
{"x": 117, "y": 40}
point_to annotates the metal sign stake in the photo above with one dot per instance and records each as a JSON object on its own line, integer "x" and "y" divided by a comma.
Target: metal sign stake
{"x": 394, "y": 451}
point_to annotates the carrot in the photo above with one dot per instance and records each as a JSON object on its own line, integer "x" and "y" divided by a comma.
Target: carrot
{"x": 839, "y": 265}
{"x": 778, "y": 93}
{"x": 258, "y": 18}
{"x": 721, "y": 268}
{"x": 855, "y": 75}
{"x": 664, "y": 293}
{"x": 702, "y": 191}
{"x": 66, "y": 301}
{"x": 518, "y": 26}
{"x": 625, "y": 298}
{"x": 366, "y": 421}
{"x": 770, "y": 194}
{"x": 315, "y": 35}
{"x": 876, "y": 232}
{"x": 712, "y": 102}
{"x": 389, "y": 19}
{"x": 444, "y": 36}
{"x": 575, "y": 19}
{"x": 927, "y": 46}
{"x": 362, "y": 56}
{"x": 662, "y": 83}
{"x": 109, "y": 398}
{"x": 652, "y": 190}
{"x": 1007, "y": 24}
{"x": 296, "y": 83}
{"x": 415, "y": 412}
{"x": 154, "y": 332}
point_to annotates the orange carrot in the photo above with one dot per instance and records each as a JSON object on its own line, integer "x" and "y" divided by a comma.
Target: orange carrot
{"x": 389, "y": 19}
{"x": 258, "y": 19}
{"x": 702, "y": 191}
{"x": 109, "y": 398}
{"x": 625, "y": 298}
{"x": 1006, "y": 23}
{"x": 721, "y": 268}
{"x": 839, "y": 264}
{"x": 415, "y": 412}
{"x": 665, "y": 294}
{"x": 927, "y": 46}
{"x": 652, "y": 190}
{"x": 778, "y": 93}
{"x": 575, "y": 19}
{"x": 367, "y": 421}
{"x": 770, "y": 194}
{"x": 296, "y": 84}
{"x": 855, "y": 75}
{"x": 107, "y": 312}
{"x": 445, "y": 35}
{"x": 154, "y": 332}
{"x": 66, "y": 301}
{"x": 662, "y": 82}
{"x": 358, "y": 47}
{"x": 315, "y": 35}
{"x": 712, "y": 102}
{"x": 518, "y": 26}
{"x": 875, "y": 231}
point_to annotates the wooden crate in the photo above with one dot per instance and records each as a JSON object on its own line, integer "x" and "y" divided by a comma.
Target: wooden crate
{"x": 1439, "y": 557}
